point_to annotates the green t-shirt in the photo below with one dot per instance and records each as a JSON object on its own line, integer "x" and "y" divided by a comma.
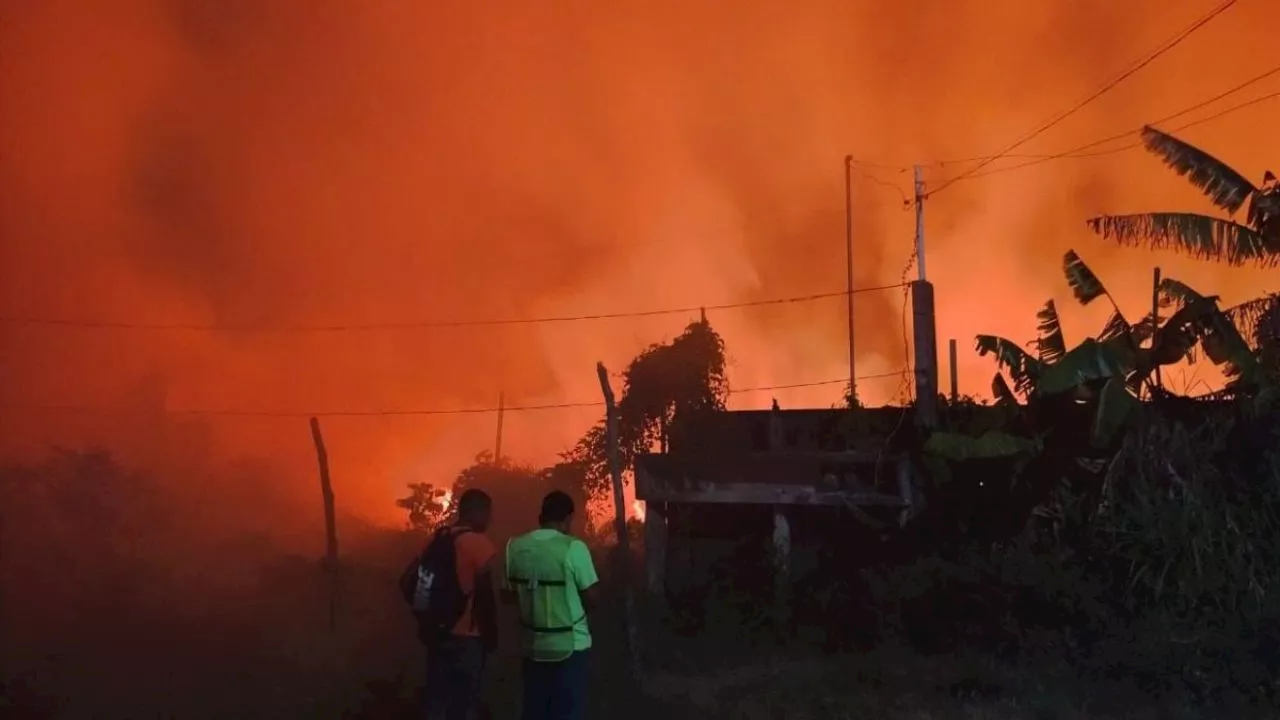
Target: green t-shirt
{"x": 548, "y": 570}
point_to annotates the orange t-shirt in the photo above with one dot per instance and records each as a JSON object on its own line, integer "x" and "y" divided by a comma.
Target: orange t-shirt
{"x": 474, "y": 552}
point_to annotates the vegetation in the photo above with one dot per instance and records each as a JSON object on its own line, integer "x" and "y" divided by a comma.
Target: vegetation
{"x": 1256, "y": 240}
{"x": 1092, "y": 545}
{"x": 1144, "y": 545}
{"x": 663, "y": 388}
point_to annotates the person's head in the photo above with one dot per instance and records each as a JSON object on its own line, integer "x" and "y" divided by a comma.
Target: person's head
{"x": 557, "y": 511}
{"x": 475, "y": 509}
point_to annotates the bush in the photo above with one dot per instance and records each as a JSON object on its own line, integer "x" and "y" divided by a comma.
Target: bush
{"x": 1170, "y": 579}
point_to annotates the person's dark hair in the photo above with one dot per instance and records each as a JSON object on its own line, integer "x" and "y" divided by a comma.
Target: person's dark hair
{"x": 556, "y": 507}
{"x": 472, "y": 502}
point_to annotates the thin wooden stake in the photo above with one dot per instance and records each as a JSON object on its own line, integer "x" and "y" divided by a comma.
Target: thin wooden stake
{"x": 620, "y": 521}
{"x": 955, "y": 379}
{"x": 330, "y": 522}
{"x": 497, "y": 445}
{"x": 1155, "y": 316}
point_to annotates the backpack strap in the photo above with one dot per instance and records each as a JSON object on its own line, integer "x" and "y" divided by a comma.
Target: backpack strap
{"x": 455, "y": 530}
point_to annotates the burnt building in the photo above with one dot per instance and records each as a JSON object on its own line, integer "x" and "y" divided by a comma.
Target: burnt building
{"x": 777, "y": 477}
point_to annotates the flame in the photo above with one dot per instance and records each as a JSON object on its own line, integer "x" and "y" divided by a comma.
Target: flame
{"x": 446, "y": 501}
{"x": 638, "y": 510}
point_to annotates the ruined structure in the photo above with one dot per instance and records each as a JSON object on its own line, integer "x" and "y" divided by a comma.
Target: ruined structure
{"x": 735, "y": 475}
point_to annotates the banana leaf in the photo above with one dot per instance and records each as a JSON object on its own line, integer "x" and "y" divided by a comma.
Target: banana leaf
{"x": 1084, "y": 283}
{"x": 1087, "y": 362}
{"x": 1115, "y": 405}
{"x": 1023, "y": 369}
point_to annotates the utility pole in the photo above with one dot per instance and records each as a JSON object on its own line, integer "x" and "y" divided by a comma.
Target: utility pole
{"x": 848, "y": 241}
{"x": 497, "y": 445}
{"x": 924, "y": 323}
{"x": 919, "y": 187}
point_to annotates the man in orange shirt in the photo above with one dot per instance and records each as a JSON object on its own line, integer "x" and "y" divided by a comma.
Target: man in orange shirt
{"x": 456, "y": 659}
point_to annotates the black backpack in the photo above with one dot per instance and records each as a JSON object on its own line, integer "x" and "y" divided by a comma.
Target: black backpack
{"x": 430, "y": 586}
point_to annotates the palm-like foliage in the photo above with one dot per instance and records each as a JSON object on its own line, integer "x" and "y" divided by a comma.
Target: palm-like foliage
{"x": 1085, "y": 285}
{"x": 1023, "y": 368}
{"x": 1256, "y": 240}
{"x": 1115, "y": 351}
{"x": 1051, "y": 345}
{"x": 1197, "y": 317}
{"x": 1258, "y": 319}
{"x": 1113, "y": 367}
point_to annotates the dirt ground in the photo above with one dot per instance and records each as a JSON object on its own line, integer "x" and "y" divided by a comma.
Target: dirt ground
{"x": 276, "y": 657}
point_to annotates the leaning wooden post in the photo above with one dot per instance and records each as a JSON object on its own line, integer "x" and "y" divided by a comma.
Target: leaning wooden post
{"x": 330, "y": 522}
{"x": 781, "y": 549}
{"x": 623, "y": 558}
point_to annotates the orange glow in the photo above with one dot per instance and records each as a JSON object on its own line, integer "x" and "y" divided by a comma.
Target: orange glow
{"x": 270, "y": 164}
{"x": 637, "y": 510}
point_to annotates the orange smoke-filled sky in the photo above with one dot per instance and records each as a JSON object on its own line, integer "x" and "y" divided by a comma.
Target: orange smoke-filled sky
{"x": 302, "y": 162}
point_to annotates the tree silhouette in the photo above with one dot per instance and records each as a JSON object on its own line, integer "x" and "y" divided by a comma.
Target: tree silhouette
{"x": 517, "y": 491}
{"x": 663, "y": 389}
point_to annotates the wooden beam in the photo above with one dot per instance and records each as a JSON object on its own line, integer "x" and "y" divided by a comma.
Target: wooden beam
{"x": 655, "y": 547}
{"x": 768, "y": 494}
{"x": 904, "y": 490}
{"x": 782, "y": 567}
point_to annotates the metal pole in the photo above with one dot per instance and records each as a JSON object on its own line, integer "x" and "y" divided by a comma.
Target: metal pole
{"x": 848, "y": 239}
{"x": 919, "y": 176}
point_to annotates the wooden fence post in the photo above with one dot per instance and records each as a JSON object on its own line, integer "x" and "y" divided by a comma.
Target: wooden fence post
{"x": 782, "y": 570}
{"x": 330, "y": 522}
{"x": 623, "y": 561}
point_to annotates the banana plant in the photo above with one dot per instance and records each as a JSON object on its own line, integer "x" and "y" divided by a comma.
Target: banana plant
{"x": 1111, "y": 369}
{"x": 1256, "y": 240}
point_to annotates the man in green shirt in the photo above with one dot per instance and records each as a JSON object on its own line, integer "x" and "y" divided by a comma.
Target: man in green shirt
{"x": 551, "y": 578}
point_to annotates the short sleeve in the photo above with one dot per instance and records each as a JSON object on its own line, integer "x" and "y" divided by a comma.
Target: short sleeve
{"x": 584, "y": 570}
{"x": 506, "y": 565}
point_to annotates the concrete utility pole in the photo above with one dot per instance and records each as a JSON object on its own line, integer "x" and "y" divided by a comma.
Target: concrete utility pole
{"x": 848, "y": 240}
{"x": 924, "y": 323}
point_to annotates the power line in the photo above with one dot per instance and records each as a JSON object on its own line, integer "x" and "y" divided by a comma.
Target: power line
{"x": 1076, "y": 153}
{"x": 1166, "y": 47}
{"x": 409, "y": 412}
{"x": 191, "y": 327}
{"x": 861, "y": 169}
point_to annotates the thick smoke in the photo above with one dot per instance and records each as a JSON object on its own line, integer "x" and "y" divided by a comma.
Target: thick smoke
{"x": 314, "y": 162}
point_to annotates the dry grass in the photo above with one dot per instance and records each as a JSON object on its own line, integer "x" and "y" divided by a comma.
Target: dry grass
{"x": 275, "y": 657}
